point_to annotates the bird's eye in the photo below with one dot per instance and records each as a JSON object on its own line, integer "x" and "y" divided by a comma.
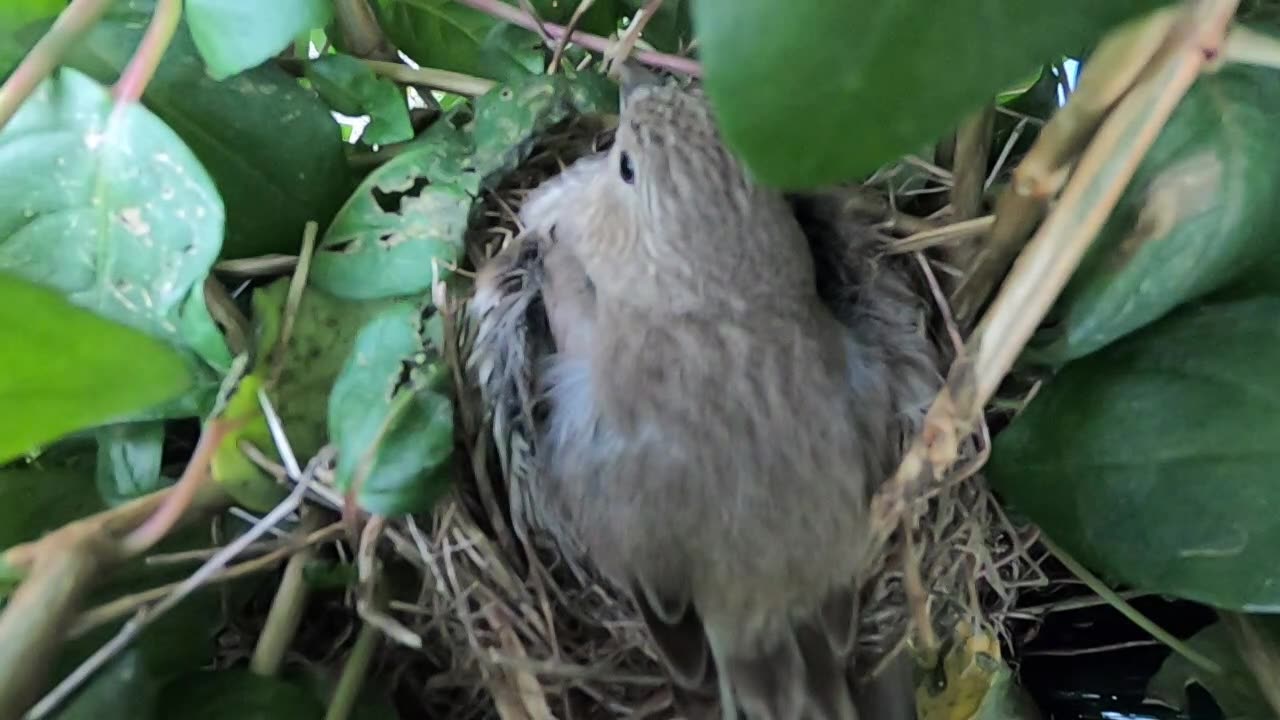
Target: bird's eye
{"x": 625, "y": 169}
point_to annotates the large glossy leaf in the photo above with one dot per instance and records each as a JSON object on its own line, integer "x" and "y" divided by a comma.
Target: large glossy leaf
{"x": 123, "y": 690}
{"x": 390, "y": 418}
{"x": 236, "y": 694}
{"x": 1154, "y": 460}
{"x": 437, "y": 33}
{"x": 406, "y": 216}
{"x": 1200, "y": 210}
{"x": 15, "y": 14}
{"x": 235, "y": 35}
{"x": 113, "y": 210}
{"x": 272, "y": 147}
{"x": 42, "y": 496}
{"x": 449, "y": 35}
{"x": 351, "y": 88}
{"x": 828, "y": 90}
{"x": 1234, "y": 689}
{"x": 63, "y": 368}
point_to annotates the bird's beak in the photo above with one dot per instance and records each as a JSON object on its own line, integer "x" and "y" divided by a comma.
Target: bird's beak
{"x": 631, "y": 77}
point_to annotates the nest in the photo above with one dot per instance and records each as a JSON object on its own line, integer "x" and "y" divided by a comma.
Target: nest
{"x": 517, "y": 631}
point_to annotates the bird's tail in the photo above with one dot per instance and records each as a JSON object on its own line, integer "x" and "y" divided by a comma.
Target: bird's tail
{"x": 784, "y": 670}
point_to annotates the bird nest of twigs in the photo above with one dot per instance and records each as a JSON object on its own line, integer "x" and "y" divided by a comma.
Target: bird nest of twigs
{"x": 517, "y": 630}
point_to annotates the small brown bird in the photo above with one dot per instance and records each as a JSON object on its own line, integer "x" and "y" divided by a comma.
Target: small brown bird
{"x": 720, "y": 408}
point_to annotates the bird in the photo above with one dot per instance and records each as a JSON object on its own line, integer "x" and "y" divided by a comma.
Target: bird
{"x": 732, "y": 370}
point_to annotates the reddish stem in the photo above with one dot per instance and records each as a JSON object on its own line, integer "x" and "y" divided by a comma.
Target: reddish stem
{"x": 183, "y": 494}
{"x": 71, "y": 24}
{"x": 142, "y": 66}
{"x": 515, "y": 16}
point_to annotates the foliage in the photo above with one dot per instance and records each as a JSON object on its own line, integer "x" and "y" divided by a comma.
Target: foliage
{"x": 124, "y": 326}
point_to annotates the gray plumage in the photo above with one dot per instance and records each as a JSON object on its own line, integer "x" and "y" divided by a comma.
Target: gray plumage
{"x": 727, "y": 387}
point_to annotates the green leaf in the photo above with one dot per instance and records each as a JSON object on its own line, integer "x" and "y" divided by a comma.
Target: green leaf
{"x": 409, "y": 215}
{"x": 351, "y": 88}
{"x": 1006, "y": 700}
{"x": 449, "y": 35}
{"x": 670, "y": 29}
{"x": 1235, "y": 690}
{"x": 405, "y": 225}
{"x": 235, "y": 35}
{"x": 42, "y": 496}
{"x": 509, "y": 52}
{"x": 511, "y": 117}
{"x": 1200, "y": 210}
{"x": 201, "y": 333}
{"x": 324, "y": 331}
{"x": 392, "y": 424}
{"x": 63, "y": 368}
{"x": 15, "y": 14}
{"x": 1153, "y": 460}
{"x": 436, "y": 33}
{"x": 114, "y": 211}
{"x": 828, "y": 90}
{"x": 273, "y": 149}
{"x": 124, "y": 689}
{"x": 236, "y": 694}
{"x": 129, "y": 456}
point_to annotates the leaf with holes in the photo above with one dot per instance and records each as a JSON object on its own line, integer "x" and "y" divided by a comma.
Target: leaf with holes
{"x": 1153, "y": 460}
{"x": 510, "y": 117}
{"x": 810, "y": 93}
{"x": 351, "y": 88}
{"x": 272, "y": 147}
{"x": 1200, "y": 210}
{"x": 235, "y": 35}
{"x": 63, "y": 368}
{"x": 405, "y": 224}
{"x": 391, "y": 419}
{"x": 114, "y": 211}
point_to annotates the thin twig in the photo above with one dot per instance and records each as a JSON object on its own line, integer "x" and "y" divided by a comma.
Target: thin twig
{"x": 1073, "y": 652}
{"x": 578, "y": 12}
{"x": 287, "y": 606}
{"x": 1124, "y": 608}
{"x": 123, "y": 606}
{"x": 293, "y": 300}
{"x": 515, "y": 16}
{"x": 134, "y": 627}
{"x": 945, "y": 235}
{"x": 353, "y": 674}
{"x": 261, "y": 266}
{"x": 622, "y": 50}
{"x": 445, "y": 80}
